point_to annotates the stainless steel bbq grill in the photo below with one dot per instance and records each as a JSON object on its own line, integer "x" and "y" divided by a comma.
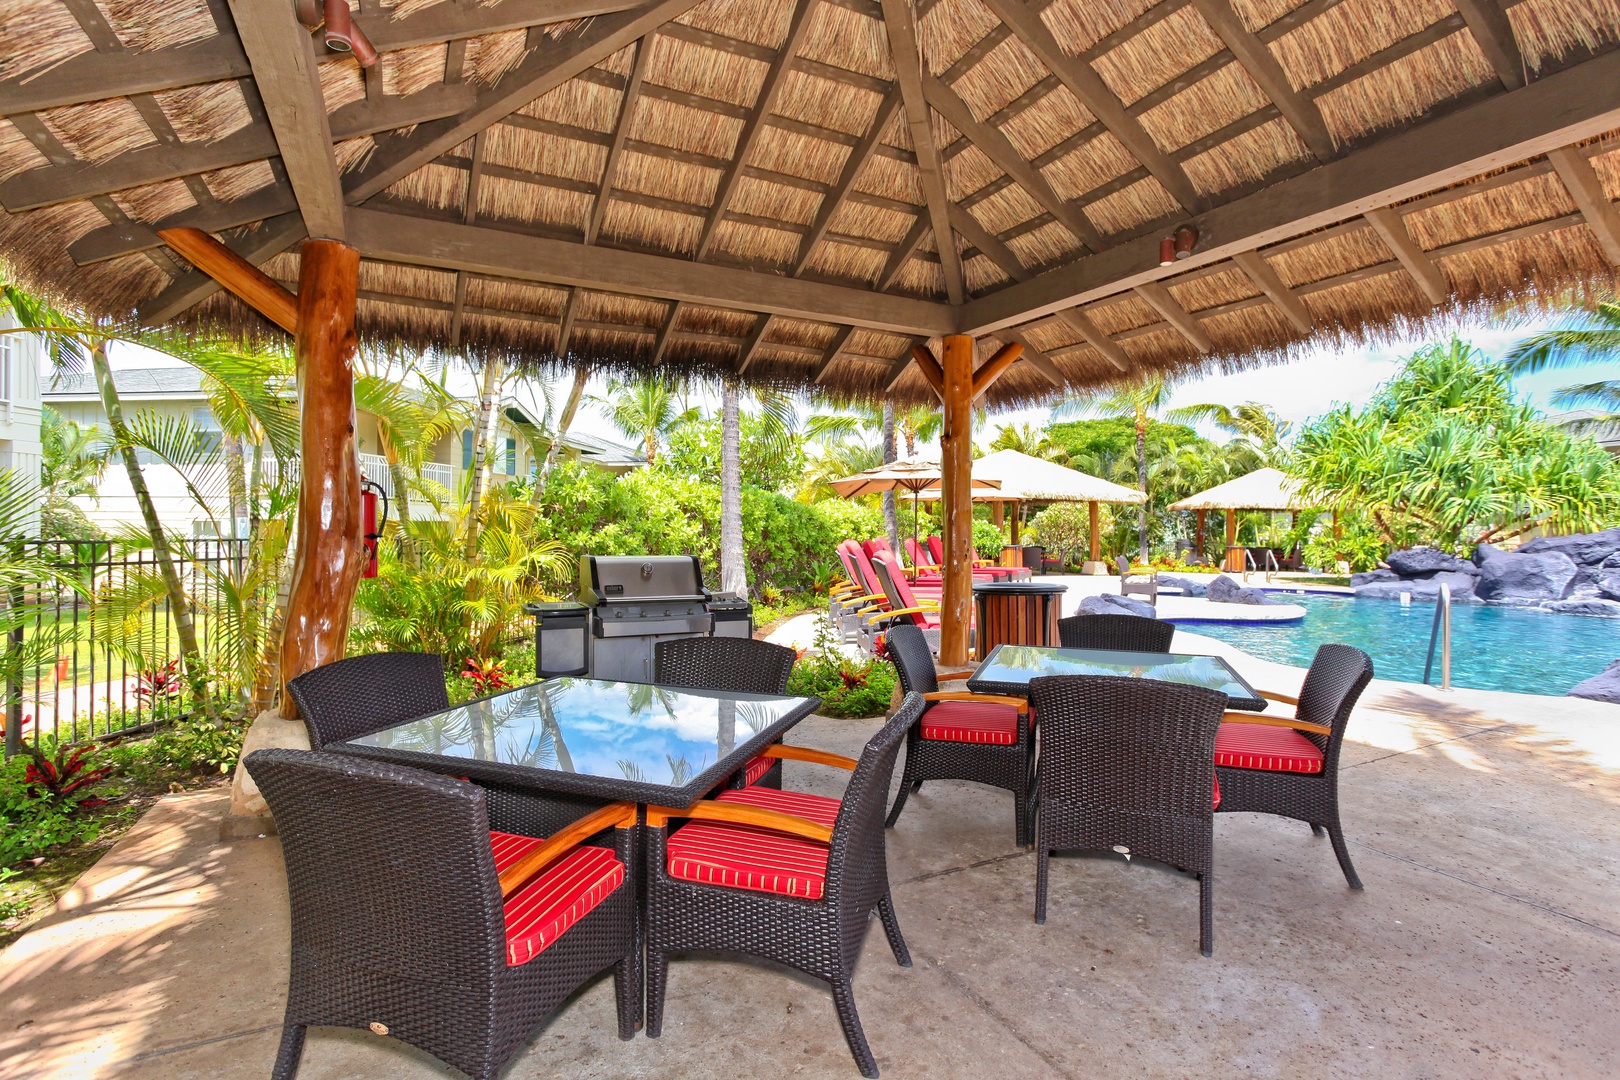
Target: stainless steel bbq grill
{"x": 636, "y": 601}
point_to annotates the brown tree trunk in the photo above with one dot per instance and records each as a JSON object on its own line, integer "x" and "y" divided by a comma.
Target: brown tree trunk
{"x": 733, "y": 568}
{"x": 483, "y": 432}
{"x": 330, "y": 553}
{"x": 564, "y": 422}
{"x": 956, "y": 487}
{"x": 891, "y": 517}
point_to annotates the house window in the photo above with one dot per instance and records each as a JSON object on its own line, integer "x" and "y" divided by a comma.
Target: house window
{"x": 211, "y": 437}
{"x": 8, "y": 356}
{"x": 466, "y": 449}
{"x": 511, "y": 457}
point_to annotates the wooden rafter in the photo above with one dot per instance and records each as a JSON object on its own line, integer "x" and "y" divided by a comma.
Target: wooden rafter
{"x": 1391, "y": 227}
{"x": 1585, "y": 187}
{"x": 1268, "y": 74}
{"x": 999, "y": 149}
{"x": 565, "y": 326}
{"x": 1267, "y": 281}
{"x": 1564, "y": 107}
{"x": 1494, "y": 34}
{"x": 853, "y": 164}
{"x": 903, "y": 252}
{"x": 469, "y": 214}
{"x": 662, "y": 341}
{"x": 988, "y": 243}
{"x": 1085, "y": 84}
{"x": 1106, "y": 346}
{"x": 1177, "y": 316}
{"x": 834, "y": 350}
{"x": 770, "y": 91}
{"x": 750, "y": 348}
{"x": 903, "y": 48}
{"x": 1038, "y": 359}
{"x": 621, "y": 130}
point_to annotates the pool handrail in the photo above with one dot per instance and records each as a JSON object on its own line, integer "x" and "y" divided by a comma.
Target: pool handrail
{"x": 1441, "y": 631}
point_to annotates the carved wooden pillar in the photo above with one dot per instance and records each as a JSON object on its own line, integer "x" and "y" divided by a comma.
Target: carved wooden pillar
{"x": 1200, "y": 541}
{"x": 1234, "y": 560}
{"x": 330, "y": 554}
{"x": 956, "y": 487}
{"x": 1096, "y": 541}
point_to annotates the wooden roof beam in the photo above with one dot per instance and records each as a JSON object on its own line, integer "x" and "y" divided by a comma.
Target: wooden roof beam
{"x": 853, "y": 164}
{"x": 192, "y": 288}
{"x": 1494, "y": 34}
{"x": 1177, "y": 316}
{"x": 1084, "y": 83}
{"x": 1268, "y": 74}
{"x": 1265, "y": 278}
{"x": 1586, "y": 189}
{"x": 999, "y": 149}
{"x": 1038, "y": 359}
{"x": 283, "y": 57}
{"x": 835, "y": 350}
{"x": 750, "y": 348}
{"x": 903, "y": 252}
{"x": 769, "y": 93}
{"x": 565, "y": 327}
{"x": 621, "y": 131}
{"x": 1093, "y": 335}
{"x": 662, "y": 341}
{"x": 1391, "y": 226}
{"x": 1562, "y": 108}
{"x": 903, "y": 47}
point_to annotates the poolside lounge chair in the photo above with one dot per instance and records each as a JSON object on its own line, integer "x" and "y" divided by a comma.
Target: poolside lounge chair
{"x": 936, "y": 547}
{"x": 787, "y": 876}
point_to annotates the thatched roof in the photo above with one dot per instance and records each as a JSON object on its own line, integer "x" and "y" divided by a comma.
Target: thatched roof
{"x": 803, "y": 189}
{"x": 1263, "y": 489}
{"x": 1031, "y": 479}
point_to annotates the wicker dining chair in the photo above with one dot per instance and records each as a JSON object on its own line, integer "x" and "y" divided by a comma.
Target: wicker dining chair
{"x": 742, "y": 665}
{"x": 986, "y": 738}
{"x": 412, "y": 919}
{"x": 1121, "y": 633}
{"x": 787, "y": 876}
{"x": 1289, "y": 766}
{"x": 362, "y": 694}
{"x": 1128, "y": 765}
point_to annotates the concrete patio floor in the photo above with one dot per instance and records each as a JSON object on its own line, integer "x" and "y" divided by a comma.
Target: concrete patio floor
{"x": 1487, "y": 942}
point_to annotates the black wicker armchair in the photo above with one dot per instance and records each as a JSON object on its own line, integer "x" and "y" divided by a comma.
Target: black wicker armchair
{"x": 412, "y": 919}
{"x": 1122, "y": 633}
{"x": 986, "y": 738}
{"x": 742, "y": 665}
{"x": 1128, "y": 765}
{"x": 1290, "y": 766}
{"x": 362, "y": 694}
{"x": 786, "y": 876}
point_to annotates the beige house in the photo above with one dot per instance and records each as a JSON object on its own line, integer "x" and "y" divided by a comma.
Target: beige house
{"x": 177, "y": 391}
{"x": 19, "y": 406}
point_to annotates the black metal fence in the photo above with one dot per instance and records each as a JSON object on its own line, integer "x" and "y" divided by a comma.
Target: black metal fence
{"x": 93, "y": 688}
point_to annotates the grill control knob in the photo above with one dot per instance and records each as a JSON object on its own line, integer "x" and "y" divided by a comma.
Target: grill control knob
{"x": 618, "y": 613}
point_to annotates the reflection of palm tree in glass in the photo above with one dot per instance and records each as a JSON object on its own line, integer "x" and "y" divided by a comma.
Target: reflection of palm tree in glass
{"x": 545, "y": 701}
{"x": 727, "y": 738}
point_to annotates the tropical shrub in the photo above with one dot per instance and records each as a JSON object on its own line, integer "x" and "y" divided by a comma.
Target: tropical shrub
{"x": 987, "y": 540}
{"x": 852, "y": 689}
{"x": 1064, "y": 529}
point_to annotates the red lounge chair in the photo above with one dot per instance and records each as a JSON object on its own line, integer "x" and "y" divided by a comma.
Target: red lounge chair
{"x": 936, "y": 547}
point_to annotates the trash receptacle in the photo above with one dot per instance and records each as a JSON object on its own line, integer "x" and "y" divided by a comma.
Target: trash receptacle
{"x": 561, "y": 639}
{"x": 1015, "y": 613}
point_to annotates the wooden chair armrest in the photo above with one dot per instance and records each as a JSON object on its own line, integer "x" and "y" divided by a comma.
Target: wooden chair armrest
{"x": 741, "y": 814}
{"x": 952, "y": 676}
{"x": 805, "y": 753}
{"x": 620, "y": 815}
{"x": 1021, "y": 704}
{"x": 1274, "y": 721}
{"x": 1272, "y": 695}
{"x": 918, "y": 610}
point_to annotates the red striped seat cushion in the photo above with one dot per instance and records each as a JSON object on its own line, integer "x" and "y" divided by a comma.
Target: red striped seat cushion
{"x": 755, "y": 770}
{"x": 567, "y": 891}
{"x": 1260, "y": 746}
{"x": 971, "y": 722}
{"x": 746, "y": 857}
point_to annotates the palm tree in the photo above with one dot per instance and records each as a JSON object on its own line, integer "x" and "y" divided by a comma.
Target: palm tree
{"x": 1589, "y": 338}
{"x": 564, "y": 422}
{"x": 72, "y": 458}
{"x": 483, "y": 433}
{"x": 1258, "y": 428}
{"x": 1031, "y": 440}
{"x": 645, "y": 408}
{"x": 1138, "y": 400}
{"x": 733, "y": 573}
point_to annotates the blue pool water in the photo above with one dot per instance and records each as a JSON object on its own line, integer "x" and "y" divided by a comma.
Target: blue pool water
{"x": 1492, "y": 648}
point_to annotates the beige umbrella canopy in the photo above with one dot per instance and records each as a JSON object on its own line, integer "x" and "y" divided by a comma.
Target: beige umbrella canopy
{"x": 912, "y": 474}
{"x": 1263, "y": 489}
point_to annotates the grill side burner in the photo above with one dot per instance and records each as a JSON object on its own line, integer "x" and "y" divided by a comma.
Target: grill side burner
{"x": 637, "y": 601}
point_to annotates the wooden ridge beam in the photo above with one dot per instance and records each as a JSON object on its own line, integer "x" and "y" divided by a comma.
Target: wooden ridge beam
{"x": 545, "y": 68}
{"x": 1085, "y": 84}
{"x": 1266, "y": 279}
{"x": 999, "y": 149}
{"x": 190, "y": 289}
{"x": 1262, "y": 66}
{"x": 621, "y": 131}
{"x": 1586, "y": 189}
{"x": 1494, "y": 34}
{"x": 903, "y": 47}
{"x": 1565, "y": 107}
{"x": 1177, "y": 316}
{"x": 770, "y": 92}
{"x": 1391, "y": 226}
{"x": 853, "y": 164}
{"x": 995, "y": 367}
{"x": 834, "y": 351}
{"x": 451, "y": 246}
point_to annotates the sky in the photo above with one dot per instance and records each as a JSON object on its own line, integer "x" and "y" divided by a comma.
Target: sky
{"x": 1298, "y": 390}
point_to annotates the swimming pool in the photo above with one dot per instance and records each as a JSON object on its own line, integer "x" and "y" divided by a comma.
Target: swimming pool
{"x": 1492, "y": 648}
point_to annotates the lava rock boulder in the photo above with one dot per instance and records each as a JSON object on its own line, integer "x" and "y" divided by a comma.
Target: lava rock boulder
{"x": 1383, "y": 573}
{"x": 1112, "y": 604}
{"x": 1223, "y": 590}
{"x": 1588, "y": 549}
{"x": 1189, "y": 586}
{"x": 1421, "y": 561}
{"x": 1604, "y": 686}
{"x": 1606, "y": 609}
{"x": 1526, "y": 576}
{"x": 1424, "y": 589}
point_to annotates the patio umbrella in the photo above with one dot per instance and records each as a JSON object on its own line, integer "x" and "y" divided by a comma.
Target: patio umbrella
{"x": 913, "y": 474}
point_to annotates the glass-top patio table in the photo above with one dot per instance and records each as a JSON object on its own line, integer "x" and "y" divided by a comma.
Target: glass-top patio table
{"x": 618, "y": 741}
{"x": 1008, "y": 669}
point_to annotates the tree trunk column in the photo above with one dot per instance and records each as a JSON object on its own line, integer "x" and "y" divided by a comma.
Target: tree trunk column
{"x": 1234, "y": 560}
{"x": 330, "y": 553}
{"x": 1096, "y": 540}
{"x": 1200, "y": 541}
{"x": 956, "y": 489}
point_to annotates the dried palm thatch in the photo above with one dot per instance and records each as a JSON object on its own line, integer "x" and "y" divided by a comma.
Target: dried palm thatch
{"x": 821, "y": 194}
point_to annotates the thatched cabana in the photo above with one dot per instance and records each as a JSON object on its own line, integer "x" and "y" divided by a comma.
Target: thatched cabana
{"x": 802, "y": 192}
{"x": 1263, "y": 489}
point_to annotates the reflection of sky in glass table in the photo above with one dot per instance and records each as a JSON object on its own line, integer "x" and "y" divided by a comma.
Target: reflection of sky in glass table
{"x": 621, "y": 730}
{"x": 1020, "y": 663}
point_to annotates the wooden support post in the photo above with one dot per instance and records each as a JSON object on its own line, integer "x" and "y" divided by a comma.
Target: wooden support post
{"x": 998, "y": 513}
{"x": 1096, "y": 540}
{"x": 330, "y": 555}
{"x": 1200, "y": 540}
{"x": 1017, "y": 512}
{"x": 956, "y": 489}
{"x": 1234, "y": 562}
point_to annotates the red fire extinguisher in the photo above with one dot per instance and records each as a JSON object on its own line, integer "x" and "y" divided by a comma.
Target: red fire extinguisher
{"x": 370, "y": 492}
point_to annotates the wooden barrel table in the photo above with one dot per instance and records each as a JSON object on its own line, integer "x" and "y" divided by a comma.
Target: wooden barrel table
{"x": 1015, "y": 613}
